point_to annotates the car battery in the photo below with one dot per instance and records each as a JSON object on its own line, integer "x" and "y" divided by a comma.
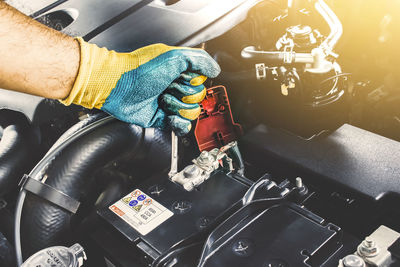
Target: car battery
{"x": 158, "y": 214}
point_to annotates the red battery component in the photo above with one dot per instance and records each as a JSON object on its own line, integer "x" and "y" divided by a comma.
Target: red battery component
{"x": 215, "y": 126}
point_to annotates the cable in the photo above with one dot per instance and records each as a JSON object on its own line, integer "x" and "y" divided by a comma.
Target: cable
{"x": 336, "y": 76}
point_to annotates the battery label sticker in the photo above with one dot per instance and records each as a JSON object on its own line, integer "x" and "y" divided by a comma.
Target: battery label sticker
{"x": 141, "y": 212}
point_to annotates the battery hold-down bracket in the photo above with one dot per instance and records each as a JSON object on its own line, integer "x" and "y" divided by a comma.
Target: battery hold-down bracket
{"x": 215, "y": 126}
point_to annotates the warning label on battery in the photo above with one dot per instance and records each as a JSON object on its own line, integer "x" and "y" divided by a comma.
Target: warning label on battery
{"x": 140, "y": 211}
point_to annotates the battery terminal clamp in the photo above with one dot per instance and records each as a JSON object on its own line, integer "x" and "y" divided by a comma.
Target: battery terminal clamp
{"x": 203, "y": 166}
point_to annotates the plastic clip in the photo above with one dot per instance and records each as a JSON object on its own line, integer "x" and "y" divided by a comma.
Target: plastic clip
{"x": 49, "y": 193}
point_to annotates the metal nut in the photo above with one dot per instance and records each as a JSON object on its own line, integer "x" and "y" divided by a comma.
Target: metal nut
{"x": 205, "y": 158}
{"x": 204, "y": 154}
{"x": 368, "y": 248}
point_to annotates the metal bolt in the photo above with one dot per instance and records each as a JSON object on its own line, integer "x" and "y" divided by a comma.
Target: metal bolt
{"x": 369, "y": 242}
{"x": 299, "y": 182}
{"x": 204, "y": 158}
{"x": 368, "y": 248}
{"x": 353, "y": 261}
{"x": 204, "y": 155}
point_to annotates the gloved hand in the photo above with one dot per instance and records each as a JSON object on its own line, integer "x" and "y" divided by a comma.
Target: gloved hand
{"x": 154, "y": 86}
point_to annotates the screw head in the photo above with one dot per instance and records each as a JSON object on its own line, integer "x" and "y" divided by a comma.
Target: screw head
{"x": 353, "y": 261}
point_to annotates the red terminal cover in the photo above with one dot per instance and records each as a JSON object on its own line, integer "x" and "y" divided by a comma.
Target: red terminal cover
{"x": 215, "y": 126}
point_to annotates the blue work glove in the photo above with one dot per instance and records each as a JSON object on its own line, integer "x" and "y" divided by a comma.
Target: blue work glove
{"x": 154, "y": 86}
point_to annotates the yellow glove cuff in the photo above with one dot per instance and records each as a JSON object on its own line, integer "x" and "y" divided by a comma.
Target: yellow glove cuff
{"x": 100, "y": 69}
{"x": 90, "y": 89}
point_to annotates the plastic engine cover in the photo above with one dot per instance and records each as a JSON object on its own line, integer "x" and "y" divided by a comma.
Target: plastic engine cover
{"x": 125, "y": 25}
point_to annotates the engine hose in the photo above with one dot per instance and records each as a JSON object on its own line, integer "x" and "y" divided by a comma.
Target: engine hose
{"x": 18, "y": 149}
{"x": 77, "y": 127}
{"x": 110, "y": 138}
{"x": 44, "y": 224}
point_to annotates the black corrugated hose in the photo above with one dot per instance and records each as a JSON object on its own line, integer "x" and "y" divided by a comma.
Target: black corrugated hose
{"x": 69, "y": 168}
{"x": 18, "y": 149}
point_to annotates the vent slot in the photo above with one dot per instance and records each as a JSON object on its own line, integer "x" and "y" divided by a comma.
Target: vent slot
{"x": 59, "y": 19}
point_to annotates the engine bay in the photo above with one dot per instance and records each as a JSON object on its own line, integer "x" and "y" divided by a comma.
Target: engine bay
{"x": 294, "y": 160}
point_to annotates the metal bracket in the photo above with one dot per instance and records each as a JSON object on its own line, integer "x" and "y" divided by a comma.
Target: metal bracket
{"x": 174, "y": 155}
{"x": 49, "y": 193}
{"x": 288, "y": 54}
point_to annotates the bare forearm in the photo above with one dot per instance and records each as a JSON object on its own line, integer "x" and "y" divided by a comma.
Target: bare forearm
{"x": 34, "y": 58}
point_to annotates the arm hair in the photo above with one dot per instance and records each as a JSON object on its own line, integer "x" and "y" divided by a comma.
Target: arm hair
{"x": 35, "y": 59}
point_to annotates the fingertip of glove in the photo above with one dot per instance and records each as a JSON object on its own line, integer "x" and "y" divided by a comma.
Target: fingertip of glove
{"x": 190, "y": 114}
{"x": 199, "y": 80}
{"x": 212, "y": 69}
{"x": 195, "y": 98}
{"x": 216, "y": 71}
{"x": 205, "y": 64}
